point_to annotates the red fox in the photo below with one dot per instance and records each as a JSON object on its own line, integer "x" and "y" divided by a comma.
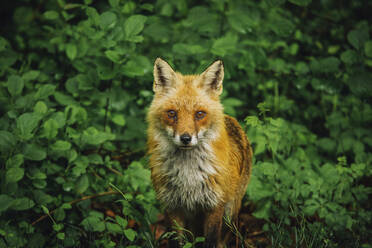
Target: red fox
{"x": 200, "y": 159}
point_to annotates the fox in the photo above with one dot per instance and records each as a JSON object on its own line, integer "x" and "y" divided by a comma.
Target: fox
{"x": 200, "y": 159}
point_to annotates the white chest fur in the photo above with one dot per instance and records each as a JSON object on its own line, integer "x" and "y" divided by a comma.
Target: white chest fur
{"x": 188, "y": 173}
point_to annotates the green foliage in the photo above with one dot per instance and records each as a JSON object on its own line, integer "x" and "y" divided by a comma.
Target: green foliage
{"x": 75, "y": 84}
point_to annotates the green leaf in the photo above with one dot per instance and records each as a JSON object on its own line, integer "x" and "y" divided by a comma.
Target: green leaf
{"x": 368, "y": 48}
{"x": 7, "y": 141}
{"x": 118, "y": 119}
{"x": 357, "y": 38}
{"x": 5, "y": 202}
{"x": 113, "y": 228}
{"x": 15, "y": 85}
{"x": 50, "y": 129}
{"x": 94, "y": 137}
{"x": 82, "y": 184}
{"x": 26, "y": 124}
{"x": 51, "y": 15}
{"x": 134, "y": 25}
{"x": 23, "y": 203}
{"x": 114, "y": 3}
{"x": 138, "y": 66}
{"x": 40, "y": 107}
{"x": 93, "y": 223}
{"x": 224, "y": 45}
{"x": 31, "y": 75}
{"x": 130, "y": 234}
{"x": 107, "y": 20}
{"x": 349, "y": 57}
{"x": 325, "y": 65}
{"x": 15, "y": 161}
{"x": 61, "y": 145}
{"x": 64, "y": 99}
{"x": 263, "y": 210}
{"x": 114, "y": 56}
{"x": 300, "y": 2}
{"x": 71, "y": 51}
{"x": 34, "y": 152}
{"x": 61, "y": 236}
{"x": 188, "y": 49}
{"x": 45, "y": 91}
{"x": 187, "y": 245}
{"x": 14, "y": 174}
{"x": 121, "y": 221}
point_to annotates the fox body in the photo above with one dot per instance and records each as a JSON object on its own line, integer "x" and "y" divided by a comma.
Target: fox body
{"x": 200, "y": 159}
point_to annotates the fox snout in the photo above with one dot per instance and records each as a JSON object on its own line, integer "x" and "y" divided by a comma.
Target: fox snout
{"x": 185, "y": 138}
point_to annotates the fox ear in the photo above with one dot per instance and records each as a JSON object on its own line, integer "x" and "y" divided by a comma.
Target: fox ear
{"x": 163, "y": 75}
{"x": 212, "y": 77}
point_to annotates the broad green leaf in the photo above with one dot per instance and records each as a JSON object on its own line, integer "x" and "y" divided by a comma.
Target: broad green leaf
{"x": 5, "y": 202}
{"x": 121, "y": 221}
{"x": 15, "y": 161}
{"x": 282, "y": 26}
{"x": 61, "y": 145}
{"x": 93, "y": 15}
{"x": 113, "y": 228}
{"x": 134, "y": 25}
{"x": 300, "y": 2}
{"x": 82, "y": 184}
{"x": 15, "y": 85}
{"x": 71, "y": 51}
{"x": 64, "y": 99}
{"x": 368, "y": 48}
{"x": 185, "y": 49}
{"x": 187, "y": 245}
{"x": 51, "y": 15}
{"x": 7, "y": 141}
{"x": 40, "y": 107}
{"x": 93, "y": 223}
{"x": 243, "y": 19}
{"x": 118, "y": 119}
{"x": 224, "y": 45}
{"x": 357, "y": 38}
{"x": 50, "y": 129}
{"x": 45, "y": 91}
{"x": 114, "y": 3}
{"x": 14, "y": 174}
{"x": 22, "y": 203}
{"x": 26, "y": 124}
{"x": 130, "y": 234}
{"x": 94, "y": 137}
{"x": 61, "y": 236}
{"x": 34, "y": 152}
{"x": 31, "y": 75}
{"x": 325, "y": 65}
{"x": 138, "y": 66}
{"x": 107, "y": 19}
{"x": 263, "y": 210}
{"x": 114, "y": 56}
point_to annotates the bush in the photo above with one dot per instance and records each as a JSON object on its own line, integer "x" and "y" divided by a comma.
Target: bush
{"x": 75, "y": 83}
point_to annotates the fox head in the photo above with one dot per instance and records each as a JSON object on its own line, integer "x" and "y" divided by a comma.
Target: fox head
{"x": 186, "y": 110}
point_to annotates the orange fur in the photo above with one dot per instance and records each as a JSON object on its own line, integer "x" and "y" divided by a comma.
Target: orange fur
{"x": 201, "y": 179}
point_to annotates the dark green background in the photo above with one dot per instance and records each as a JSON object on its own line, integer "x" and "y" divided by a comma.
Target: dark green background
{"x": 76, "y": 81}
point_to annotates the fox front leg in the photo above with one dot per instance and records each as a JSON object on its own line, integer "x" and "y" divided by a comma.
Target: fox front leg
{"x": 212, "y": 228}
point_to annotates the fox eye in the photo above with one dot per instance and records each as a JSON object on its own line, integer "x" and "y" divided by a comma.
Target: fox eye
{"x": 172, "y": 114}
{"x": 200, "y": 115}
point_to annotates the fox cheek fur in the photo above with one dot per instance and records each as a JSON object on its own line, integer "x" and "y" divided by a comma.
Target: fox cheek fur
{"x": 200, "y": 159}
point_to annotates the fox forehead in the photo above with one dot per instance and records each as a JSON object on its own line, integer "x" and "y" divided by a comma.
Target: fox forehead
{"x": 186, "y": 95}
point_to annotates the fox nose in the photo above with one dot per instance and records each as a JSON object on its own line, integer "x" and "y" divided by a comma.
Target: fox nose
{"x": 185, "y": 138}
